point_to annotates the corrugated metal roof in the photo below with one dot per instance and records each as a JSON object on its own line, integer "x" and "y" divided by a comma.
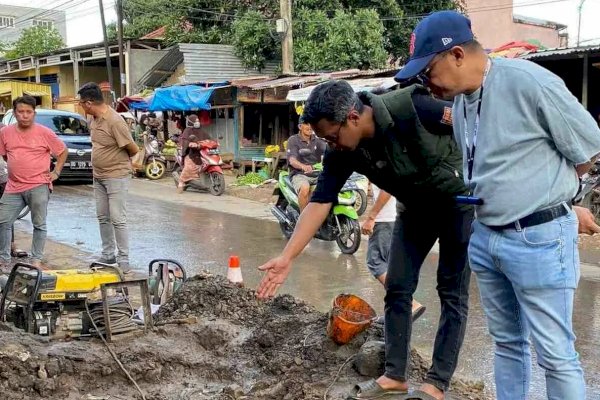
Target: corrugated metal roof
{"x": 156, "y": 34}
{"x": 162, "y": 69}
{"x": 215, "y": 63}
{"x": 358, "y": 85}
{"x": 288, "y": 81}
{"x": 558, "y": 53}
{"x": 308, "y": 79}
{"x": 538, "y": 22}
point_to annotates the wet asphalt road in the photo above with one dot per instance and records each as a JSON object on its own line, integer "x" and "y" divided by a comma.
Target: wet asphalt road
{"x": 203, "y": 239}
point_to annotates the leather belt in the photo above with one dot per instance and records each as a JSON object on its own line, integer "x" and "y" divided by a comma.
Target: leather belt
{"x": 537, "y": 218}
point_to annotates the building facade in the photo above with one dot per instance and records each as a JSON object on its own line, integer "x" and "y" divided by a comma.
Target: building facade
{"x": 15, "y": 19}
{"x": 495, "y": 24}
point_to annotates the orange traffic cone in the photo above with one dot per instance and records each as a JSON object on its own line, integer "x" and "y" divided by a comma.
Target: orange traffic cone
{"x": 234, "y": 272}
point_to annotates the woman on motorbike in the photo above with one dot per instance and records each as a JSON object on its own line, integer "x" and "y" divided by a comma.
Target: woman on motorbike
{"x": 190, "y": 151}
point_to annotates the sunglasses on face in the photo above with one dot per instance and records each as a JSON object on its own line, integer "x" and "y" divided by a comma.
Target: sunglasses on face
{"x": 425, "y": 75}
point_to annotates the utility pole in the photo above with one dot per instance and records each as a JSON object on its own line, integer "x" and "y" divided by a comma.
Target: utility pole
{"x": 106, "y": 49}
{"x": 122, "y": 77}
{"x": 579, "y": 10}
{"x": 287, "y": 45}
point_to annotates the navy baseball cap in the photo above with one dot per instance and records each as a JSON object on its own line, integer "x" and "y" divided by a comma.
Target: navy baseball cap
{"x": 438, "y": 32}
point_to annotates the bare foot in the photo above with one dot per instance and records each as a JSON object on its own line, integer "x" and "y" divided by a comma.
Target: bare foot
{"x": 416, "y": 305}
{"x": 179, "y": 189}
{"x": 432, "y": 390}
{"x": 36, "y": 263}
{"x": 387, "y": 383}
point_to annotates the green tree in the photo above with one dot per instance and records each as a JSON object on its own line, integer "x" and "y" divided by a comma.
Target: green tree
{"x": 252, "y": 39}
{"x": 366, "y": 26}
{"x": 36, "y": 40}
{"x": 400, "y": 17}
{"x": 347, "y": 40}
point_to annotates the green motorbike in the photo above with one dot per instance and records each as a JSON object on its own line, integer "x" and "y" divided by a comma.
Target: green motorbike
{"x": 340, "y": 226}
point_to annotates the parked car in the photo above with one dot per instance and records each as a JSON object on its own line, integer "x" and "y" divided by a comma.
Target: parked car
{"x": 73, "y": 130}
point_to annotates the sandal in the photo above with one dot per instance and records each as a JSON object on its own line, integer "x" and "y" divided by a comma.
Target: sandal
{"x": 419, "y": 395}
{"x": 17, "y": 253}
{"x": 415, "y": 316}
{"x": 370, "y": 390}
{"x": 418, "y": 313}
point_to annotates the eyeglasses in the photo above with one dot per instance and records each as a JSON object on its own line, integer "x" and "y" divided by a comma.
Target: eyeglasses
{"x": 425, "y": 75}
{"x": 333, "y": 139}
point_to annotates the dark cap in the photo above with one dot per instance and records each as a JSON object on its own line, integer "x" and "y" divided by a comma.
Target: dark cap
{"x": 438, "y": 32}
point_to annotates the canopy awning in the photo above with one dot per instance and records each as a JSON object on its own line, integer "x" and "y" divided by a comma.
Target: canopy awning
{"x": 35, "y": 93}
{"x": 359, "y": 85}
{"x": 182, "y": 98}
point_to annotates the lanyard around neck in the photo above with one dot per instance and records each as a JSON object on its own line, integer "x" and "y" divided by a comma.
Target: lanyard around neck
{"x": 471, "y": 149}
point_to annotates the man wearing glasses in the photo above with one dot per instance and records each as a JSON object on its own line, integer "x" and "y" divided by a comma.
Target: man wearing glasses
{"x": 402, "y": 141}
{"x": 526, "y": 139}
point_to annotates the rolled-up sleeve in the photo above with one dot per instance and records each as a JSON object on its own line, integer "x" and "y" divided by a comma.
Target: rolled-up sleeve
{"x": 573, "y": 130}
{"x": 336, "y": 171}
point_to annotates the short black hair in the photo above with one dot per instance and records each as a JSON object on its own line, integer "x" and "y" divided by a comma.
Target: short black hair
{"x": 332, "y": 101}
{"x": 90, "y": 92}
{"x": 472, "y": 45}
{"x": 27, "y": 100}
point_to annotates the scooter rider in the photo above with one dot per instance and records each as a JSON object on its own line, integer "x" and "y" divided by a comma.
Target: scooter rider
{"x": 191, "y": 157}
{"x": 304, "y": 149}
{"x": 403, "y": 142}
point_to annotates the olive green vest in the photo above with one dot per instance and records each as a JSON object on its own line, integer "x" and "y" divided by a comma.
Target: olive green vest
{"x": 429, "y": 160}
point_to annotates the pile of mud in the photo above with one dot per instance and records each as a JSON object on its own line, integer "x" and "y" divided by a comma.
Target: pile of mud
{"x": 240, "y": 348}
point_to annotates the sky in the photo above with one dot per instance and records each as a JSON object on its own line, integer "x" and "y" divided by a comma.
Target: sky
{"x": 83, "y": 18}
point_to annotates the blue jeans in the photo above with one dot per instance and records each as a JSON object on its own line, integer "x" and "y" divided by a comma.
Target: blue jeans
{"x": 11, "y": 205}
{"x": 527, "y": 279}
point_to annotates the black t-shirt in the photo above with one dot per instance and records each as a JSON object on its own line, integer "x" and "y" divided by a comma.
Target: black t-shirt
{"x": 308, "y": 153}
{"x": 371, "y": 159}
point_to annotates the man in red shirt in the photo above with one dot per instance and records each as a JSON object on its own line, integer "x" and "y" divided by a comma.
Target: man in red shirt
{"x": 27, "y": 147}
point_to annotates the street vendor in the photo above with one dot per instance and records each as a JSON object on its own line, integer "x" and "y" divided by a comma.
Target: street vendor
{"x": 304, "y": 150}
{"x": 192, "y": 160}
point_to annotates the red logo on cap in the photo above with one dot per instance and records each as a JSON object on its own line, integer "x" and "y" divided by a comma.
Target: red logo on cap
{"x": 411, "y": 48}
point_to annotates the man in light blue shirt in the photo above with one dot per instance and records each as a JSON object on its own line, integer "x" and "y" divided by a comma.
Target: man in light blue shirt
{"x": 525, "y": 141}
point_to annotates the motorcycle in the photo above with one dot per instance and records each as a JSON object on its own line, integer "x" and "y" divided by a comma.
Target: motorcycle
{"x": 211, "y": 174}
{"x": 359, "y": 184}
{"x": 589, "y": 195}
{"x": 150, "y": 160}
{"x": 340, "y": 226}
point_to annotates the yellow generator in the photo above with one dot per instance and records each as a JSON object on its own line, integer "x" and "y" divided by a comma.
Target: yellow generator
{"x": 52, "y": 302}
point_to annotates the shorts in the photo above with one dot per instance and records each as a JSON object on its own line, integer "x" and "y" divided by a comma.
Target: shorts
{"x": 300, "y": 180}
{"x": 378, "y": 250}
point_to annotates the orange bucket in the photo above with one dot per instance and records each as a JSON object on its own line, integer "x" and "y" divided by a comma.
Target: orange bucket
{"x": 349, "y": 316}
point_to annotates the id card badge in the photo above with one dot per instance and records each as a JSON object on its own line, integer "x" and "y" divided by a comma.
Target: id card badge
{"x": 477, "y": 201}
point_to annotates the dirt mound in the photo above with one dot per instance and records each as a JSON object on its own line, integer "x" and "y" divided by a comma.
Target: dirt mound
{"x": 241, "y": 348}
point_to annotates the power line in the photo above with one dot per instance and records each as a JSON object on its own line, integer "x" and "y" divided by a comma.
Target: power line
{"x": 383, "y": 18}
{"x": 228, "y": 17}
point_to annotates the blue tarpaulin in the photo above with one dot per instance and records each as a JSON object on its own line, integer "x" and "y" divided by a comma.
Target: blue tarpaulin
{"x": 139, "y": 105}
{"x": 182, "y": 98}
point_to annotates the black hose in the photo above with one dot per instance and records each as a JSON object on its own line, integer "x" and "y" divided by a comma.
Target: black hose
{"x": 121, "y": 314}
